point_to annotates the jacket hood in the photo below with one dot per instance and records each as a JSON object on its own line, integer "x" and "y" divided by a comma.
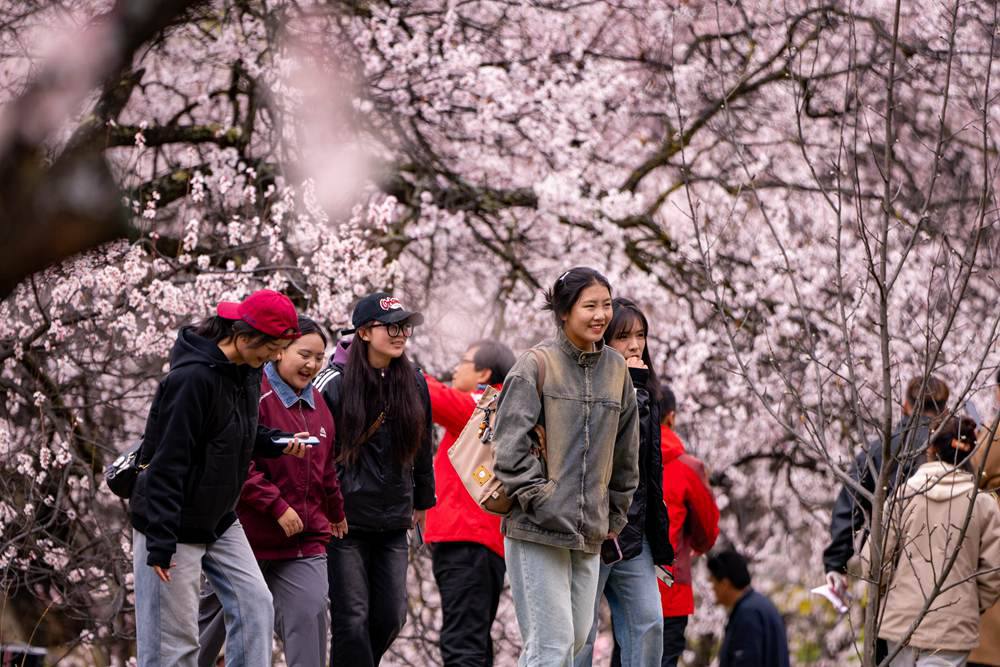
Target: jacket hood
{"x": 190, "y": 348}
{"x": 341, "y": 351}
{"x": 941, "y": 482}
{"x": 670, "y": 444}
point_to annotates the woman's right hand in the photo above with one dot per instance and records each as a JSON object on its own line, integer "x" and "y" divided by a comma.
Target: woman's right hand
{"x": 290, "y": 522}
{"x": 163, "y": 573}
{"x": 635, "y": 362}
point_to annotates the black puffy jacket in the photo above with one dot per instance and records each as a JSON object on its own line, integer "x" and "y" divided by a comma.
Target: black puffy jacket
{"x": 379, "y": 492}
{"x": 200, "y": 435}
{"x": 647, "y": 515}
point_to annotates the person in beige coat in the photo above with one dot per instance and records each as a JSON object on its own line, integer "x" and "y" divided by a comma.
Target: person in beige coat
{"x": 924, "y": 533}
{"x": 986, "y": 463}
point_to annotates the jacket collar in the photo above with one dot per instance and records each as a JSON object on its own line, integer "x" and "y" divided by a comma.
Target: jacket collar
{"x": 285, "y": 392}
{"x": 579, "y": 356}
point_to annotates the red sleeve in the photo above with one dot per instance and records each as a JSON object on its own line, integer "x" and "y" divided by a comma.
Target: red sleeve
{"x": 450, "y": 408}
{"x": 703, "y": 513}
{"x": 261, "y": 494}
{"x": 331, "y": 486}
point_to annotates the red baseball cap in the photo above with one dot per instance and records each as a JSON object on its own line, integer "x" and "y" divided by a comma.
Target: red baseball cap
{"x": 267, "y": 311}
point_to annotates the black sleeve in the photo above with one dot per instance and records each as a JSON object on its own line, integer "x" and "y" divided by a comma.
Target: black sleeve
{"x": 264, "y": 445}
{"x": 657, "y": 518}
{"x": 181, "y": 413}
{"x": 423, "y": 465}
{"x": 850, "y": 511}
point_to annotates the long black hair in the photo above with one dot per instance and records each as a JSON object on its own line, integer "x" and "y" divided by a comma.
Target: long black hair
{"x": 217, "y": 329}
{"x": 367, "y": 392}
{"x": 625, "y": 314}
{"x": 567, "y": 288}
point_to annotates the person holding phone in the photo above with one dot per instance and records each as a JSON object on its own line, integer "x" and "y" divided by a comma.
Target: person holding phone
{"x": 573, "y": 493}
{"x": 383, "y": 448}
{"x": 290, "y": 508}
{"x": 201, "y": 432}
{"x": 629, "y": 569}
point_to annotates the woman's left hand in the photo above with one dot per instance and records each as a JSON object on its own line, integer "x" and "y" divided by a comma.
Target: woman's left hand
{"x": 420, "y": 517}
{"x": 339, "y": 530}
{"x": 295, "y": 447}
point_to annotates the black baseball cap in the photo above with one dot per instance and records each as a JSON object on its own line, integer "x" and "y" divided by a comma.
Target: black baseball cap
{"x": 381, "y": 307}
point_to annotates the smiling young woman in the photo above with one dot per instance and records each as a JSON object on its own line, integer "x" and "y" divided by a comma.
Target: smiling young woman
{"x": 383, "y": 447}
{"x": 576, "y": 496}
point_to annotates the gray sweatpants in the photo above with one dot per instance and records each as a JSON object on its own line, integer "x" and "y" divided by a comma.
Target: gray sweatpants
{"x": 300, "y": 588}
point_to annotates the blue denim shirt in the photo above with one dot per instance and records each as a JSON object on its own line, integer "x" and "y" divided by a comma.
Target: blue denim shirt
{"x": 285, "y": 392}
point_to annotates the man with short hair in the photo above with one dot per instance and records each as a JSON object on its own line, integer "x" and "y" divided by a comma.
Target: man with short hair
{"x": 467, "y": 546}
{"x": 925, "y": 399}
{"x": 755, "y": 634}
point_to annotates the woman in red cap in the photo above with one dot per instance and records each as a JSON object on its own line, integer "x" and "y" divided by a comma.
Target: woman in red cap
{"x": 201, "y": 432}
{"x": 382, "y": 410}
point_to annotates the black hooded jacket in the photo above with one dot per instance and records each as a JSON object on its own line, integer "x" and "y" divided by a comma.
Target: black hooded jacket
{"x": 851, "y": 511}
{"x": 200, "y": 435}
{"x": 647, "y": 515}
{"x": 380, "y": 493}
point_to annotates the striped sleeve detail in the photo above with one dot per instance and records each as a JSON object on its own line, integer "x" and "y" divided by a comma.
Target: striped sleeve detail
{"x": 324, "y": 378}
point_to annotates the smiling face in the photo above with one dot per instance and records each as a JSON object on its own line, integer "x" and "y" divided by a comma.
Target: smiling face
{"x": 383, "y": 348}
{"x": 631, "y": 340}
{"x": 256, "y": 354}
{"x": 589, "y": 317}
{"x": 300, "y": 363}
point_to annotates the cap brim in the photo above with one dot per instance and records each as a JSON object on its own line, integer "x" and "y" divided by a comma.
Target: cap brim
{"x": 415, "y": 319}
{"x": 228, "y": 309}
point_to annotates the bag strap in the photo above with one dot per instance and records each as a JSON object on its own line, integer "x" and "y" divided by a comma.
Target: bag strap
{"x": 371, "y": 429}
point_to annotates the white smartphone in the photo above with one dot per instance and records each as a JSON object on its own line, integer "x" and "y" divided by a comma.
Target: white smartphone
{"x": 311, "y": 441}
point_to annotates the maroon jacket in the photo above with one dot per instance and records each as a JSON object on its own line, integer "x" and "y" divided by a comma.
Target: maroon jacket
{"x": 308, "y": 485}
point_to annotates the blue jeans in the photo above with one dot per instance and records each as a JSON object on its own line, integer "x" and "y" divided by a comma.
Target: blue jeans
{"x": 554, "y": 591}
{"x": 636, "y": 615}
{"x": 166, "y": 614}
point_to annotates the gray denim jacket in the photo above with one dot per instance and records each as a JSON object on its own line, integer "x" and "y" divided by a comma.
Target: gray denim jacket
{"x": 592, "y": 437}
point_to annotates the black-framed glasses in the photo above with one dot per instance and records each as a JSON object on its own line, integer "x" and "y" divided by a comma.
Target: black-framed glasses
{"x": 396, "y": 329}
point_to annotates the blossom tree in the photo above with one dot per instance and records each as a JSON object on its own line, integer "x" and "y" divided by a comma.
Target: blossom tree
{"x": 800, "y": 194}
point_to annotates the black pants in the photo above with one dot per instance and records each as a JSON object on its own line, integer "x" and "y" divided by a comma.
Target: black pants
{"x": 367, "y": 595}
{"x": 470, "y": 579}
{"x": 673, "y": 639}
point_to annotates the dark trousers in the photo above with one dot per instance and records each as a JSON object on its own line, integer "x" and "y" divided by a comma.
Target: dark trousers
{"x": 673, "y": 642}
{"x": 673, "y": 639}
{"x": 470, "y": 579}
{"x": 367, "y": 595}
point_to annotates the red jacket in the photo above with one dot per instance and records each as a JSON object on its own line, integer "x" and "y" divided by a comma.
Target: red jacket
{"x": 456, "y": 517}
{"x": 694, "y": 519}
{"x": 309, "y": 485}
